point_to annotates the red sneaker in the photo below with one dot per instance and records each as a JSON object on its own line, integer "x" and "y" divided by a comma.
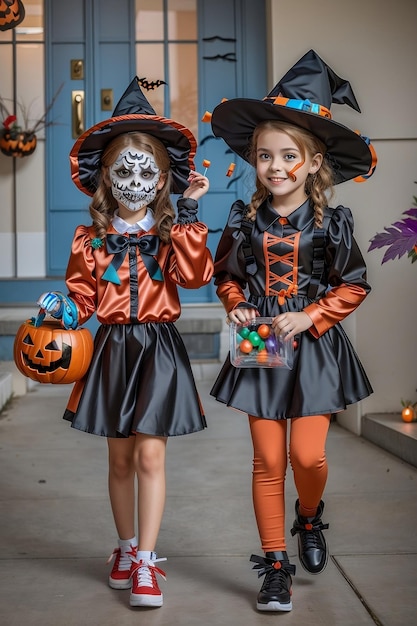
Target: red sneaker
{"x": 120, "y": 574}
{"x": 145, "y": 590}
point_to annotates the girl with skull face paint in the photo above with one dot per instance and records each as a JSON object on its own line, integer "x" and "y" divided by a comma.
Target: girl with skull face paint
{"x": 126, "y": 267}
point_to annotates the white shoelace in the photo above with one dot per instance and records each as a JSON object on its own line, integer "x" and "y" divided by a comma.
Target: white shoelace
{"x": 145, "y": 571}
{"x": 125, "y": 559}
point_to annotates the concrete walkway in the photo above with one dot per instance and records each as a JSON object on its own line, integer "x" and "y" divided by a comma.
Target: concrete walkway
{"x": 56, "y": 528}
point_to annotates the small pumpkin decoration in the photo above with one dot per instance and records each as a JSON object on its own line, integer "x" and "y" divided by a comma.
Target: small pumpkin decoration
{"x": 408, "y": 413}
{"x": 17, "y": 144}
{"x": 48, "y": 353}
{"x": 12, "y": 12}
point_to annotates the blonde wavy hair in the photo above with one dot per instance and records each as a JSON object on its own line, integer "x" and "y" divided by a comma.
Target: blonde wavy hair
{"x": 103, "y": 204}
{"x": 319, "y": 187}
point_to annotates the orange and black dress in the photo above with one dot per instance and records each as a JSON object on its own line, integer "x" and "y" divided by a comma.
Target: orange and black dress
{"x": 327, "y": 374}
{"x": 140, "y": 378}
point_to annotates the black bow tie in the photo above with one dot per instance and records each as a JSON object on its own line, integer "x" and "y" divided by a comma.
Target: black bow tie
{"x": 118, "y": 245}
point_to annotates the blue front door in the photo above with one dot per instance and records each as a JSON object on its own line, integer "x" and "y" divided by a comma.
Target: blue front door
{"x": 93, "y": 46}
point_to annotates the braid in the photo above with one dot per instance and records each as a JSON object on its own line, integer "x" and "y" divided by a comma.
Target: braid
{"x": 319, "y": 187}
{"x": 259, "y": 196}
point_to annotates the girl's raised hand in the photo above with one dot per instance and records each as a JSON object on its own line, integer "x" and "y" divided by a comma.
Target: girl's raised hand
{"x": 199, "y": 185}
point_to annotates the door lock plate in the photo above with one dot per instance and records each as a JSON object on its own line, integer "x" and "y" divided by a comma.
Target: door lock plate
{"x": 107, "y": 99}
{"x": 77, "y": 69}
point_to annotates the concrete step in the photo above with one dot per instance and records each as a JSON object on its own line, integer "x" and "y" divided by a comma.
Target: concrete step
{"x": 6, "y": 388}
{"x": 390, "y": 432}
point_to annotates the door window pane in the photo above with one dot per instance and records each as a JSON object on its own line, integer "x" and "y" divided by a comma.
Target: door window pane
{"x": 31, "y": 28}
{"x": 29, "y": 86}
{"x": 173, "y": 23}
{"x": 150, "y": 68}
{"x": 183, "y": 84}
{"x": 182, "y": 19}
{"x": 149, "y": 20}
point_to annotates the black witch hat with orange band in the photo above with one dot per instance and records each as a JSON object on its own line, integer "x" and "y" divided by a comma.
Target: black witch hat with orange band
{"x": 133, "y": 113}
{"x": 302, "y": 97}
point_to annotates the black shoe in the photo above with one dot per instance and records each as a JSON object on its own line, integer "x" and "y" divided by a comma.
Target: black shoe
{"x": 312, "y": 548}
{"x": 275, "y": 593}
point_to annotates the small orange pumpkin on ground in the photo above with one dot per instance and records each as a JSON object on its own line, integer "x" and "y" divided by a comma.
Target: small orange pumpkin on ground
{"x": 408, "y": 413}
{"x": 49, "y": 353}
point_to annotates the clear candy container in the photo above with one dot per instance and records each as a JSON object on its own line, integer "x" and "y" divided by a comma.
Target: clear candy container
{"x": 255, "y": 344}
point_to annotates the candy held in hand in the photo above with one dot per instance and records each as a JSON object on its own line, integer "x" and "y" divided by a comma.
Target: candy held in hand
{"x": 271, "y": 344}
{"x": 254, "y": 344}
{"x": 206, "y": 165}
{"x": 245, "y": 346}
{"x": 254, "y": 338}
{"x": 263, "y": 331}
{"x": 262, "y": 356}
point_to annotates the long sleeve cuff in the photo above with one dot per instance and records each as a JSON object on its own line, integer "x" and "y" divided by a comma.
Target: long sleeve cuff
{"x": 187, "y": 210}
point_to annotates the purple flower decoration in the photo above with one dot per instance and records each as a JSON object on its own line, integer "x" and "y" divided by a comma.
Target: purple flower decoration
{"x": 400, "y": 237}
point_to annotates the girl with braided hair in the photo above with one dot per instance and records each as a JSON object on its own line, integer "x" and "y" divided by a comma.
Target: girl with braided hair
{"x": 287, "y": 255}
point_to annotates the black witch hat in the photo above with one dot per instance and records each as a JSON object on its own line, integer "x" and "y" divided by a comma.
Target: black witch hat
{"x": 133, "y": 113}
{"x": 302, "y": 97}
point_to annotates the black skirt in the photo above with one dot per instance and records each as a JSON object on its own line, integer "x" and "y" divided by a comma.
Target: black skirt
{"x": 140, "y": 381}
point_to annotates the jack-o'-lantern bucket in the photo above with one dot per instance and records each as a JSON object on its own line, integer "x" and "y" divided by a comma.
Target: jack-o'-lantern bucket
{"x": 48, "y": 353}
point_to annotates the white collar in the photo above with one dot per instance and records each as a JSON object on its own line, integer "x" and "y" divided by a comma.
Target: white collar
{"x": 145, "y": 224}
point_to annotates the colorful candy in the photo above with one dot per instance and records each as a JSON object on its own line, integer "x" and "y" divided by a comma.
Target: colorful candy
{"x": 254, "y": 344}
{"x": 206, "y": 164}
{"x": 260, "y": 340}
{"x": 262, "y": 356}
{"x": 231, "y": 169}
{"x": 245, "y": 346}
{"x": 263, "y": 331}
{"x": 254, "y": 338}
{"x": 271, "y": 344}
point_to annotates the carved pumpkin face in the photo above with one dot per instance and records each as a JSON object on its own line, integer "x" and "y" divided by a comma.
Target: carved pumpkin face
{"x": 17, "y": 144}
{"x": 51, "y": 354}
{"x": 12, "y": 12}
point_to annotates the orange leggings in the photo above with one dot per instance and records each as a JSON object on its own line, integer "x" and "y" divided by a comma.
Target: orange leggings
{"x": 307, "y": 456}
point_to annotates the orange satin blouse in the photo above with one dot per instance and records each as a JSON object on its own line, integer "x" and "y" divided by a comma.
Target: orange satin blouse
{"x": 185, "y": 261}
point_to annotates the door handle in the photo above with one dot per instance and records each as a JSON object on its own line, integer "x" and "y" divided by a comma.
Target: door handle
{"x": 77, "y": 106}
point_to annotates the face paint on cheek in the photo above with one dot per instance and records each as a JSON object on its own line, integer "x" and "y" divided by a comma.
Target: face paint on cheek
{"x": 294, "y": 169}
{"x": 134, "y": 179}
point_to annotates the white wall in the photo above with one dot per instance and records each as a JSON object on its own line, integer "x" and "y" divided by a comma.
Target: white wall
{"x": 375, "y": 48}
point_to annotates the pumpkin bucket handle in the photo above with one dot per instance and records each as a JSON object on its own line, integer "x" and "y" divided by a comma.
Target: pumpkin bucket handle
{"x": 37, "y": 321}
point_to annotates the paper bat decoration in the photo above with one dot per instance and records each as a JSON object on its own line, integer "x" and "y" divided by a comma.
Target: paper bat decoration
{"x": 150, "y": 85}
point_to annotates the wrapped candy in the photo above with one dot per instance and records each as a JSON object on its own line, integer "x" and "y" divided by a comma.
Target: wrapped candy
{"x": 231, "y": 169}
